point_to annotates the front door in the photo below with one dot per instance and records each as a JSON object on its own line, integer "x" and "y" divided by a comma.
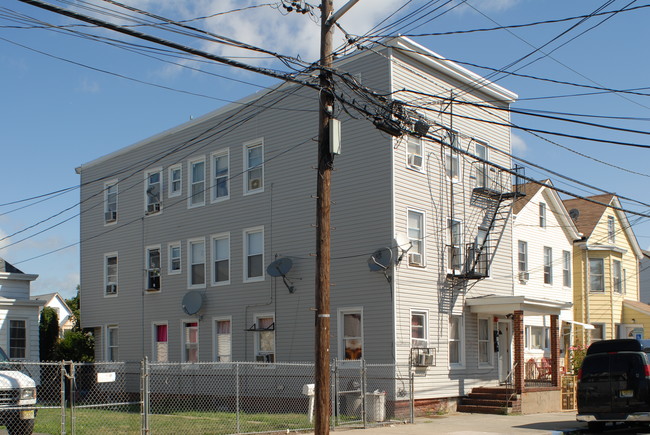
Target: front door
{"x": 504, "y": 339}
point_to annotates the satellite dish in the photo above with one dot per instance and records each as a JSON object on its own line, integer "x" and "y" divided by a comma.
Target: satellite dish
{"x": 279, "y": 267}
{"x": 574, "y": 213}
{"x": 192, "y": 302}
{"x": 381, "y": 259}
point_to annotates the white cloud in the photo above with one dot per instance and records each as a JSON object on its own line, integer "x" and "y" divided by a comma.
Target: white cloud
{"x": 518, "y": 145}
{"x": 485, "y": 6}
{"x": 65, "y": 285}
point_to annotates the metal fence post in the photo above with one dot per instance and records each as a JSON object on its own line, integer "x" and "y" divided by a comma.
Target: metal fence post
{"x": 412, "y": 395}
{"x": 333, "y": 394}
{"x": 363, "y": 392}
{"x": 144, "y": 395}
{"x": 237, "y": 395}
{"x": 63, "y": 404}
{"x": 71, "y": 378}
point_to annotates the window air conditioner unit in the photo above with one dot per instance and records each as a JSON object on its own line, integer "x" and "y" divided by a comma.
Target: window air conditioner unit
{"x": 153, "y": 207}
{"x": 424, "y": 360}
{"x": 111, "y": 289}
{"x": 265, "y": 358}
{"x": 524, "y": 276}
{"x": 415, "y": 259}
{"x": 110, "y": 216}
{"x": 254, "y": 184}
{"x": 415, "y": 160}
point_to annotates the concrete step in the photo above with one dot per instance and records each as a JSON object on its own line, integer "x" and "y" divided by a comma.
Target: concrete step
{"x": 486, "y": 402}
{"x": 478, "y": 409}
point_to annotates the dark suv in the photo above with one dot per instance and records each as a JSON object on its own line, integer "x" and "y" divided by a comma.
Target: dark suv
{"x": 613, "y": 383}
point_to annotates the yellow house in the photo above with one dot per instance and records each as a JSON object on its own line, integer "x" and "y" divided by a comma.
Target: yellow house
{"x": 605, "y": 272}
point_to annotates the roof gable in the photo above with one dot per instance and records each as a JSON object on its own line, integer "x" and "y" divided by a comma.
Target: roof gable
{"x": 7, "y": 267}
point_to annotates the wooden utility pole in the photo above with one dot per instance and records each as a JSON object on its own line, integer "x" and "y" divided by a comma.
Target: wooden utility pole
{"x": 325, "y": 160}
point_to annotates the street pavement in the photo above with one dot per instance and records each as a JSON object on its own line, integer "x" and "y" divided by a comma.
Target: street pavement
{"x": 465, "y": 424}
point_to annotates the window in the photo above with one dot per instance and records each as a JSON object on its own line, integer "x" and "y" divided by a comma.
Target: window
{"x": 419, "y": 335}
{"x": 598, "y": 333}
{"x": 548, "y": 265}
{"x": 522, "y": 259}
{"x": 153, "y": 268}
{"x": 196, "y": 250}
{"x": 481, "y": 168}
{"x": 611, "y": 229}
{"x": 110, "y": 274}
{"x": 112, "y": 343}
{"x": 221, "y": 259}
{"x": 223, "y": 340}
{"x": 537, "y": 337}
{"x": 110, "y": 202}
{"x": 174, "y": 258}
{"x": 414, "y": 152}
{"x": 542, "y": 215}
{"x": 17, "y": 339}
{"x": 566, "y": 268}
{"x": 351, "y": 333}
{"x": 456, "y": 341}
{"x": 454, "y": 248}
{"x": 254, "y": 161}
{"x": 617, "y": 282}
{"x": 254, "y": 254}
{"x": 596, "y": 275}
{"x": 190, "y": 342}
{"x": 197, "y": 183}
{"x": 160, "y": 352}
{"x": 484, "y": 342}
{"x": 452, "y": 160}
{"x": 265, "y": 338}
{"x": 416, "y": 237}
{"x": 221, "y": 170}
{"x": 175, "y": 181}
{"x": 153, "y": 191}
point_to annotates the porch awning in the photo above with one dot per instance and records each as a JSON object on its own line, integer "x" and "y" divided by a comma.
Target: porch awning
{"x": 584, "y": 325}
{"x": 508, "y": 304}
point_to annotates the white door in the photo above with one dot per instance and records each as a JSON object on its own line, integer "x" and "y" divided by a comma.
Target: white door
{"x": 504, "y": 339}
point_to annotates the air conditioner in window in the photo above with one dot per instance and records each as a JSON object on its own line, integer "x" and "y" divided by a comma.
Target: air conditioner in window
{"x": 254, "y": 184}
{"x": 415, "y": 259}
{"x": 111, "y": 289}
{"x": 415, "y": 160}
{"x": 110, "y": 216}
{"x": 153, "y": 208}
{"x": 423, "y": 360}
{"x": 524, "y": 276}
{"x": 265, "y": 358}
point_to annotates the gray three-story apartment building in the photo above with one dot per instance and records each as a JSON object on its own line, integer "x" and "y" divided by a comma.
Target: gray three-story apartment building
{"x": 178, "y": 230}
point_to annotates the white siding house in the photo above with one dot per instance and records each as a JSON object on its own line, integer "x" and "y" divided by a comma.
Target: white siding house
{"x": 543, "y": 236}
{"x": 177, "y": 231}
{"x": 18, "y": 314}
{"x": 63, "y": 311}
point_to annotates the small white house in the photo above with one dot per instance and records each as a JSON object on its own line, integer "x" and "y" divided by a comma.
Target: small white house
{"x": 63, "y": 311}
{"x": 18, "y": 314}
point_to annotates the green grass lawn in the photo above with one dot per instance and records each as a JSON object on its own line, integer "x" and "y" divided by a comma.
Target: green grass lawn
{"x": 102, "y": 421}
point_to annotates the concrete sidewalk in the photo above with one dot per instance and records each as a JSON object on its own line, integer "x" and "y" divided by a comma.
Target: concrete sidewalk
{"x": 465, "y": 424}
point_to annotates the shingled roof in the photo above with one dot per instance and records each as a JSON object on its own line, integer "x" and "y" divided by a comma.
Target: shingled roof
{"x": 590, "y": 213}
{"x": 7, "y": 267}
{"x": 529, "y": 189}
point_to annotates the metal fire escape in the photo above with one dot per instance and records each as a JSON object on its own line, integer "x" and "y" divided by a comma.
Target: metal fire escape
{"x": 496, "y": 193}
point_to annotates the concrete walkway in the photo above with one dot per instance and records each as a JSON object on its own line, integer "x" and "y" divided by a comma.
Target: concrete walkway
{"x": 465, "y": 424}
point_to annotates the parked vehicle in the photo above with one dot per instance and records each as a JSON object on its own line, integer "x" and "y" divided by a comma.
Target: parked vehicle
{"x": 614, "y": 383}
{"x": 17, "y": 398}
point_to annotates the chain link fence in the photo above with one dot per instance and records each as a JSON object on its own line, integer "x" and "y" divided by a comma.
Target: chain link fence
{"x": 211, "y": 398}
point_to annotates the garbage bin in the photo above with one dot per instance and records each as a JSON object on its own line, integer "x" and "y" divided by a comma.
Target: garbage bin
{"x": 350, "y": 403}
{"x": 376, "y": 406}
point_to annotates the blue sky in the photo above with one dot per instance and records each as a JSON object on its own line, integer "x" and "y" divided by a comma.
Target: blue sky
{"x": 65, "y": 100}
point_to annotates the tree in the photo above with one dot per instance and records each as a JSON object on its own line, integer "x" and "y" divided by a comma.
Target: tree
{"x": 48, "y": 334}
{"x": 74, "y": 305}
{"x": 76, "y": 345}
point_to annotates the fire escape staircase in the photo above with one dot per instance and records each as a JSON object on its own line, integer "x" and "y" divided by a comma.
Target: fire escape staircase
{"x": 497, "y": 199}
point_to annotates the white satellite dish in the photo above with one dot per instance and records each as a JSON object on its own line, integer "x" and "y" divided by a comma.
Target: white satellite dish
{"x": 381, "y": 259}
